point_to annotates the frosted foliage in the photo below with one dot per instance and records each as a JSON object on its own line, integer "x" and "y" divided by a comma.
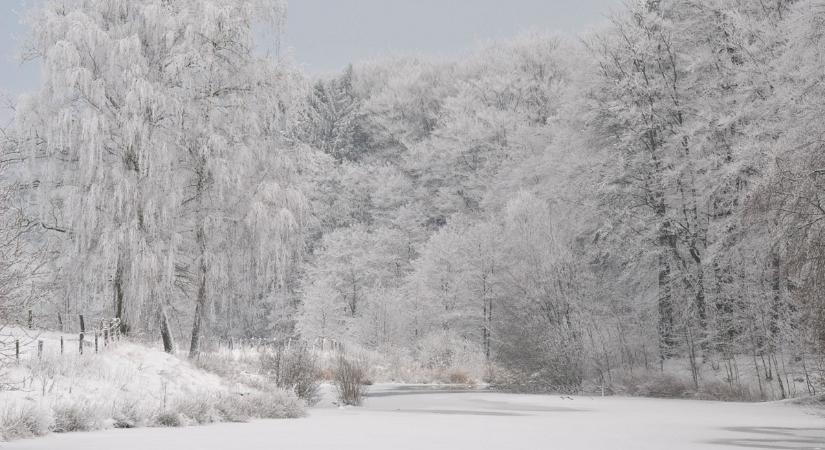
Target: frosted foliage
{"x": 645, "y": 198}
{"x": 637, "y": 210}
{"x": 151, "y": 123}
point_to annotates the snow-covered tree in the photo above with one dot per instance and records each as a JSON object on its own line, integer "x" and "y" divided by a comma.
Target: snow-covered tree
{"x": 157, "y": 140}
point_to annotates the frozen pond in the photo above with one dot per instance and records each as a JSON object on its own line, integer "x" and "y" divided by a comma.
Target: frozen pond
{"x": 416, "y": 418}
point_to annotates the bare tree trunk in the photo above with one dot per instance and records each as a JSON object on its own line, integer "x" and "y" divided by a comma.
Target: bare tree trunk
{"x": 200, "y": 300}
{"x": 166, "y": 332}
{"x": 200, "y": 242}
{"x": 119, "y": 300}
{"x": 665, "y": 306}
{"x": 701, "y": 306}
{"x": 487, "y": 316}
{"x": 776, "y": 305}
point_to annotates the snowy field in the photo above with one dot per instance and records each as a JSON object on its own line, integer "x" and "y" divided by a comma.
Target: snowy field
{"x": 397, "y": 417}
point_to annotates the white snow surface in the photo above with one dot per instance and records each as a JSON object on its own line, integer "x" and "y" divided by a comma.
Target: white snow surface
{"x": 414, "y": 417}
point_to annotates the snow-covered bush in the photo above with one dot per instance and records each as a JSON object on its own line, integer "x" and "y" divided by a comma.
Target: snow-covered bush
{"x": 78, "y": 414}
{"x": 132, "y": 412}
{"x": 197, "y": 409}
{"x": 274, "y": 405}
{"x": 206, "y": 407}
{"x": 168, "y": 419}
{"x": 294, "y": 369}
{"x": 23, "y": 420}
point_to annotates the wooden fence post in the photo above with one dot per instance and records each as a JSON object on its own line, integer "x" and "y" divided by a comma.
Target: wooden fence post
{"x": 61, "y": 345}
{"x": 95, "y": 341}
{"x": 39, "y": 349}
{"x": 17, "y": 350}
{"x": 80, "y": 343}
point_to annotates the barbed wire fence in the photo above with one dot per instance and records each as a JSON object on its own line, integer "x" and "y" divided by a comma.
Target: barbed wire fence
{"x": 32, "y": 335}
{"x": 26, "y": 340}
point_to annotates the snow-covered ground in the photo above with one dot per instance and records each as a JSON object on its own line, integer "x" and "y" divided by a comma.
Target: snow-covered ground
{"x": 122, "y": 368}
{"x": 411, "y": 418}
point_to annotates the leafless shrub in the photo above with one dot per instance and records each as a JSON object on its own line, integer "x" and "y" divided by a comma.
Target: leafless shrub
{"x": 350, "y": 377}
{"x": 655, "y": 384}
{"x": 726, "y": 392}
{"x": 459, "y": 377}
{"x": 293, "y": 369}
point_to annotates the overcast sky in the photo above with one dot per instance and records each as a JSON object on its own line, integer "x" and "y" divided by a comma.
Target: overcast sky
{"x": 325, "y": 35}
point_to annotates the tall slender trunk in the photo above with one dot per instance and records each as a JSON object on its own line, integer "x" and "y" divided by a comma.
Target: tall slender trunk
{"x": 166, "y": 332}
{"x": 701, "y": 307}
{"x": 489, "y": 327}
{"x": 119, "y": 297}
{"x": 487, "y": 315}
{"x": 665, "y": 301}
{"x": 776, "y": 304}
{"x": 200, "y": 300}
{"x": 200, "y": 242}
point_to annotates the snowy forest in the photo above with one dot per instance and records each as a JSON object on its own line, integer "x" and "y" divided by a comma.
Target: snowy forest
{"x": 547, "y": 213}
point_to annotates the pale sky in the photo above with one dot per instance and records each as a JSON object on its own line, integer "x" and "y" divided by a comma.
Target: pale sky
{"x": 325, "y": 35}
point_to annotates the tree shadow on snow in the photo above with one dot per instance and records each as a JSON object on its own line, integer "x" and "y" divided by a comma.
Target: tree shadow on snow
{"x": 460, "y": 412}
{"x": 781, "y": 438}
{"x": 421, "y": 391}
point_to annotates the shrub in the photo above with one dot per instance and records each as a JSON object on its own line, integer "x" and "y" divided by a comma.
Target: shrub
{"x": 262, "y": 405}
{"x": 198, "y": 409}
{"x": 168, "y": 419}
{"x": 77, "y": 415}
{"x": 658, "y": 385}
{"x": 459, "y": 377}
{"x": 546, "y": 361}
{"x": 273, "y": 405}
{"x": 233, "y": 408}
{"x": 350, "y": 376}
{"x": 293, "y": 369}
{"x": 131, "y": 413}
{"x": 717, "y": 390}
{"x": 23, "y": 420}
